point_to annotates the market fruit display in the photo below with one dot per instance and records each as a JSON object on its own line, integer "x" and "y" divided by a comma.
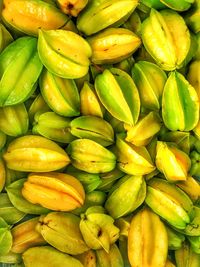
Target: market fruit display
{"x": 99, "y": 133}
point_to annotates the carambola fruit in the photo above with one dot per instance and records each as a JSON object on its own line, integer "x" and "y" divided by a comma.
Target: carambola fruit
{"x": 89, "y": 156}
{"x": 119, "y": 95}
{"x": 127, "y": 197}
{"x": 28, "y": 16}
{"x": 64, "y": 53}
{"x": 25, "y": 236}
{"x": 61, "y": 230}
{"x": 113, "y": 45}
{"x": 33, "y": 153}
{"x": 166, "y": 38}
{"x": 99, "y": 15}
{"x": 53, "y": 190}
{"x": 46, "y": 256}
{"x": 20, "y": 61}
{"x": 147, "y": 240}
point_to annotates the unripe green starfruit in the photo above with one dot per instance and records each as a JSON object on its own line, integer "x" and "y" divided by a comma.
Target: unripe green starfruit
{"x": 180, "y": 104}
{"x": 150, "y": 81}
{"x": 60, "y": 94}
{"x": 20, "y": 61}
{"x": 119, "y": 95}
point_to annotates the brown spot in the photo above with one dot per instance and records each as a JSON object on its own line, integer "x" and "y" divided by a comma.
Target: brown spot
{"x": 99, "y": 233}
{"x": 70, "y": 6}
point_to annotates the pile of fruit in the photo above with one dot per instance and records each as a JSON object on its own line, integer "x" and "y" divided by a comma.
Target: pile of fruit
{"x": 100, "y": 133}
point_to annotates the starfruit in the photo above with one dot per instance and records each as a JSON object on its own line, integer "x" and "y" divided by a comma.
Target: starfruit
{"x": 20, "y": 61}
{"x": 25, "y": 236}
{"x": 93, "y": 128}
{"x": 169, "y": 202}
{"x": 53, "y": 127}
{"x": 157, "y": 4}
{"x": 175, "y": 239}
{"x": 55, "y": 191}
{"x": 19, "y": 202}
{"x": 134, "y": 23}
{"x": 12, "y": 176}
{"x": 181, "y": 139}
{"x": 192, "y": 17}
{"x": 90, "y": 104}
{"x": 94, "y": 198}
{"x": 108, "y": 179}
{"x": 132, "y": 159}
{"x": 117, "y": 125}
{"x": 170, "y": 38}
{"x": 111, "y": 259}
{"x": 36, "y": 154}
{"x": 125, "y": 65}
{"x": 193, "y": 228}
{"x": 169, "y": 263}
{"x": 27, "y": 16}
{"x": 11, "y": 258}
{"x": 60, "y": 94}
{"x": 72, "y": 7}
{"x": 182, "y": 5}
{"x": 89, "y": 156}
{"x": 172, "y": 162}
{"x": 5, "y": 37}
{"x": 90, "y": 181}
{"x": 99, "y": 15}
{"x": 88, "y": 258}
{"x": 2, "y": 174}
{"x": 37, "y": 105}
{"x": 8, "y": 212}
{"x": 194, "y": 243}
{"x": 190, "y": 187}
{"x": 64, "y": 53}
{"x": 46, "y": 256}
{"x": 124, "y": 226}
{"x": 123, "y": 248}
{"x": 150, "y": 80}
{"x": 185, "y": 257}
{"x": 180, "y": 104}
{"x": 141, "y": 134}
{"x": 61, "y": 230}
{"x": 129, "y": 195}
{"x": 195, "y": 164}
{"x": 119, "y": 95}
{"x": 98, "y": 229}
{"x": 147, "y": 240}
{"x": 14, "y": 120}
{"x": 112, "y": 45}
{"x": 5, "y": 237}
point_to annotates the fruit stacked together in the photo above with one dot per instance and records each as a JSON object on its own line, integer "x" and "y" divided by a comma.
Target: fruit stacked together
{"x": 100, "y": 133}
